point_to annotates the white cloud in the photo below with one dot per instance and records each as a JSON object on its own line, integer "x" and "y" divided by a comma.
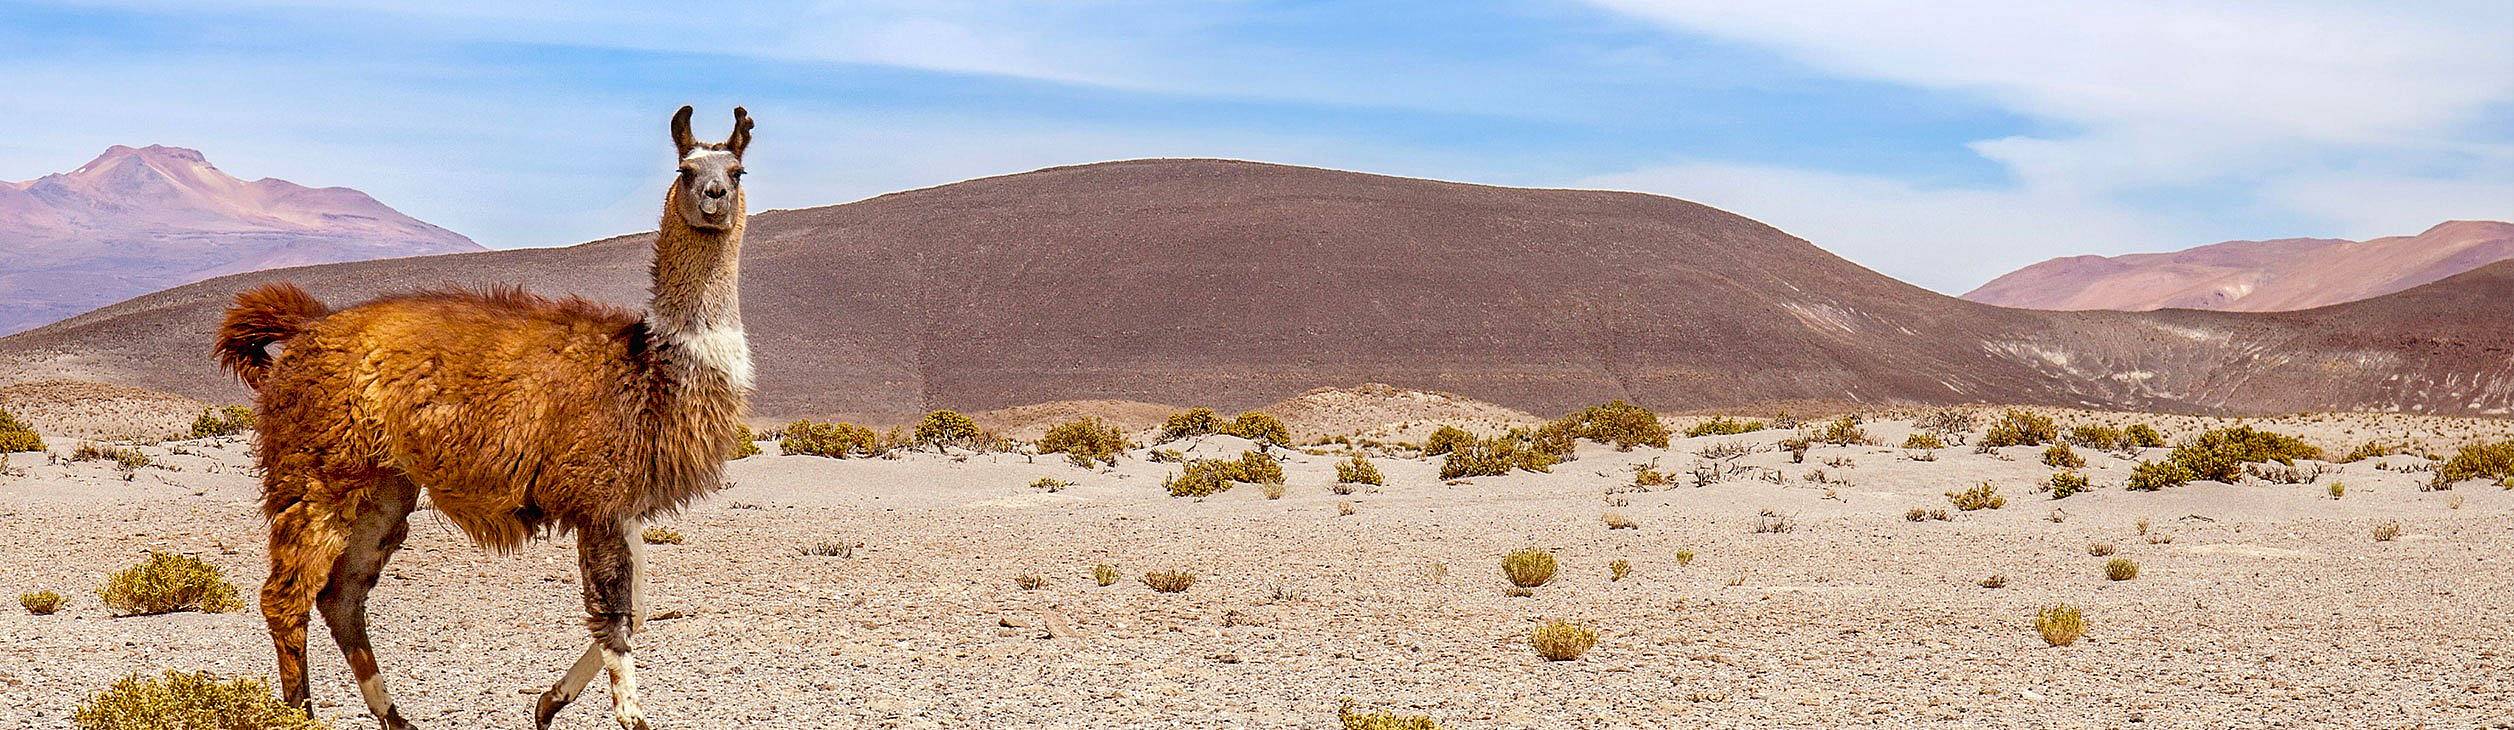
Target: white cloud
{"x": 2327, "y": 112}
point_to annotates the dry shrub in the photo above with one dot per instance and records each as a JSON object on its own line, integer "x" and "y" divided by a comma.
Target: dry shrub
{"x": 1684, "y": 558}
{"x": 1447, "y": 439}
{"x": 745, "y": 443}
{"x": 2375, "y": 449}
{"x": 943, "y": 428}
{"x": 1205, "y": 477}
{"x": 1497, "y": 456}
{"x": 1620, "y": 424}
{"x": 1952, "y": 422}
{"x": 168, "y": 583}
{"x": 2337, "y": 489}
{"x": 2475, "y": 461}
{"x": 2060, "y": 624}
{"x": 2388, "y": 531}
{"x": 189, "y": 701}
{"x": 1617, "y": 521}
{"x": 1723, "y": 426}
{"x": 2143, "y": 436}
{"x": 1104, "y": 574}
{"x": 123, "y": 457}
{"x": 1618, "y": 569}
{"x": 1190, "y": 423}
{"x": 1797, "y": 447}
{"x": 2060, "y": 456}
{"x": 1353, "y": 719}
{"x": 1030, "y": 582}
{"x": 1344, "y": 509}
{"x": 1084, "y": 442}
{"x": 16, "y": 436}
{"x": 1920, "y": 440}
{"x": 2020, "y": 428}
{"x": 2121, "y": 569}
{"x": 1169, "y": 581}
{"x": 2097, "y": 436}
{"x": 1358, "y": 470}
{"x": 2149, "y": 476}
{"x": 1772, "y": 522}
{"x": 660, "y": 535}
{"x": 1844, "y": 431}
{"x": 1981, "y": 496}
{"x": 1650, "y": 476}
{"x": 833, "y": 440}
{"x": 1528, "y": 567}
{"x": 1272, "y": 490}
{"x": 1917, "y": 514}
{"x": 1260, "y": 428}
{"x": 1562, "y": 641}
{"x": 1050, "y": 484}
{"x": 2220, "y": 454}
{"x": 1995, "y": 580}
{"x": 827, "y": 549}
{"x": 2063, "y": 484}
{"x": 222, "y": 421}
{"x": 41, "y": 603}
{"x": 2099, "y": 549}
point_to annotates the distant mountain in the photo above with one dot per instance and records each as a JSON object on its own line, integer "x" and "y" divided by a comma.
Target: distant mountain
{"x": 136, "y": 220}
{"x": 1239, "y": 284}
{"x": 2254, "y": 276}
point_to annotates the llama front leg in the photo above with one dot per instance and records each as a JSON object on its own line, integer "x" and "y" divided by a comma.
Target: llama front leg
{"x": 611, "y": 556}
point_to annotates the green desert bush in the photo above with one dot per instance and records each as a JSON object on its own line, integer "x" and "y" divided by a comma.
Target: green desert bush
{"x": 1844, "y": 431}
{"x": 1617, "y": 423}
{"x": 16, "y": 436}
{"x": 1723, "y": 426}
{"x": 1104, "y": 574}
{"x": 2121, "y": 569}
{"x": 167, "y": 583}
{"x": 222, "y": 421}
{"x": 2375, "y": 449}
{"x": 1169, "y": 581}
{"x": 1355, "y": 719}
{"x": 2060, "y": 456}
{"x": 1358, "y": 470}
{"x": 41, "y": 603}
{"x": 1205, "y": 477}
{"x": 1447, "y": 439}
{"x": 1562, "y": 641}
{"x": 2066, "y": 483}
{"x": 2143, "y": 436}
{"x": 745, "y": 443}
{"x": 1529, "y": 567}
{"x": 1982, "y": 496}
{"x": 1193, "y": 422}
{"x": 1260, "y": 428}
{"x": 660, "y": 535}
{"x": 2098, "y": 436}
{"x": 2060, "y": 624}
{"x": 2149, "y": 476}
{"x": 1919, "y": 440}
{"x": 833, "y": 440}
{"x": 2220, "y": 454}
{"x": 1495, "y": 457}
{"x": 2020, "y": 428}
{"x": 189, "y": 701}
{"x": 2476, "y": 461}
{"x": 943, "y": 428}
{"x": 1084, "y": 442}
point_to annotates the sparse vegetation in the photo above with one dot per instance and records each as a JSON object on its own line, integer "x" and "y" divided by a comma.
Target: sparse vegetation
{"x": 1528, "y": 567}
{"x": 2099, "y": 549}
{"x": 1169, "y": 581}
{"x": 1723, "y": 426}
{"x": 1447, "y": 439}
{"x": 827, "y": 549}
{"x": 1104, "y": 574}
{"x": 167, "y": 583}
{"x": 2143, "y": 436}
{"x": 2063, "y": 484}
{"x": 2119, "y": 569}
{"x": 2020, "y": 428}
{"x": 1259, "y": 427}
{"x": 1617, "y": 521}
{"x": 1353, "y": 719}
{"x": 1994, "y": 580}
{"x": 222, "y": 421}
{"x": 1358, "y": 470}
{"x": 832, "y": 440}
{"x": 1030, "y": 581}
{"x": 2337, "y": 489}
{"x": 1495, "y": 457}
{"x": 1772, "y": 522}
{"x": 745, "y": 443}
{"x": 2375, "y": 449}
{"x": 2098, "y": 436}
{"x": 2220, "y": 454}
{"x": 1050, "y": 484}
{"x": 2475, "y": 461}
{"x": 1981, "y": 496}
{"x": 943, "y": 428}
{"x": 1561, "y": 641}
{"x": 1084, "y": 442}
{"x": 1618, "y": 570}
{"x": 2060, "y": 624}
{"x": 1684, "y": 558}
{"x": 1191, "y": 423}
{"x": 1844, "y": 431}
{"x": 1919, "y": 514}
{"x": 2388, "y": 531}
{"x": 41, "y": 603}
{"x": 1797, "y": 447}
{"x": 2149, "y": 476}
{"x": 189, "y": 701}
{"x": 1617, "y": 423}
{"x": 660, "y": 535}
{"x": 2060, "y": 456}
{"x": 1923, "y": 440}
{"x": 16, "y": 436}
{"x": 1206, "y": 477}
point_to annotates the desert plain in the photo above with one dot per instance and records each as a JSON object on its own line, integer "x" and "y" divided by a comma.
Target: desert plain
{"x": 2256, "y": 605}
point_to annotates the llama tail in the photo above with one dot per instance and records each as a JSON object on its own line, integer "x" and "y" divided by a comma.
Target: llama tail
{"x": 263, "y": 315}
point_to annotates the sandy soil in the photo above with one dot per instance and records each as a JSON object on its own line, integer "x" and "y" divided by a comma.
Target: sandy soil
{"x": 2271, "y": 606}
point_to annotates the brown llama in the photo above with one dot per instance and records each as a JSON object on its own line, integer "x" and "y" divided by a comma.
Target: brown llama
{"x": 519, "y": 416}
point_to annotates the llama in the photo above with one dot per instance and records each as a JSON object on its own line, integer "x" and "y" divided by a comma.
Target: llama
{"x": 517, "y": 414}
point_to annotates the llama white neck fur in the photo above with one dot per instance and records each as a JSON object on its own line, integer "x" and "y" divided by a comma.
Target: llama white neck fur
{"x": 721, "y": 347}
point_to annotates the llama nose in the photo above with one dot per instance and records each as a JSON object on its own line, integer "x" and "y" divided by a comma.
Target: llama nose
{"x": 714, "y": 191}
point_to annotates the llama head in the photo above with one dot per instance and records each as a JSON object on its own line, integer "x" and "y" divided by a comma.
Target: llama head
{"x": 708, "y": 193}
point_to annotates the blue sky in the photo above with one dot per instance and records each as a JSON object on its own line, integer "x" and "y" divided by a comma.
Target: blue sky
{"x": 1942, "y": 146}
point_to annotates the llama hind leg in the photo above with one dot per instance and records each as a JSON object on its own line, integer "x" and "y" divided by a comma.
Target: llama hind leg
{"x": 382, "y": 524}
{"x": 306, "y": 539}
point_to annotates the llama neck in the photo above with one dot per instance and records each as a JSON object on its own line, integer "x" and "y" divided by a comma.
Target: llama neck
{"x": 697, "y": 309}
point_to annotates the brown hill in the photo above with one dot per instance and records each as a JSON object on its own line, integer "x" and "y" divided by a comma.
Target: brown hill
{"x": 136, "y": 220}
{"x": 2254, "y": 276}
{"x": 1236, "y": 284}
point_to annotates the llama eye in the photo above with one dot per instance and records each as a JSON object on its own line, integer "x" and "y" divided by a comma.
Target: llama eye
{"x": 737, "y": 174}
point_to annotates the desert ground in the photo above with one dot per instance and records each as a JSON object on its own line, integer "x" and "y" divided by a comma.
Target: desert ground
{"x": 2257, "y": 605}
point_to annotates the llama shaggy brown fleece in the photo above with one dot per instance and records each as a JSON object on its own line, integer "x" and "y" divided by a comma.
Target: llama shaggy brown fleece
{"x": 518, "y": 415}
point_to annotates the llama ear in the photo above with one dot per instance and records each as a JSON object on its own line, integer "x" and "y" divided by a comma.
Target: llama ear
{"x": 682, "y": 142}
{"x": 741, "y": 138}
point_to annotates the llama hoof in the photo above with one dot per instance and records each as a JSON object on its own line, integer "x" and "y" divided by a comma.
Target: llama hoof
{"x": 548, "y": 708}
{"x": 393, "y": 721}
{"x": 633, "y": 722}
